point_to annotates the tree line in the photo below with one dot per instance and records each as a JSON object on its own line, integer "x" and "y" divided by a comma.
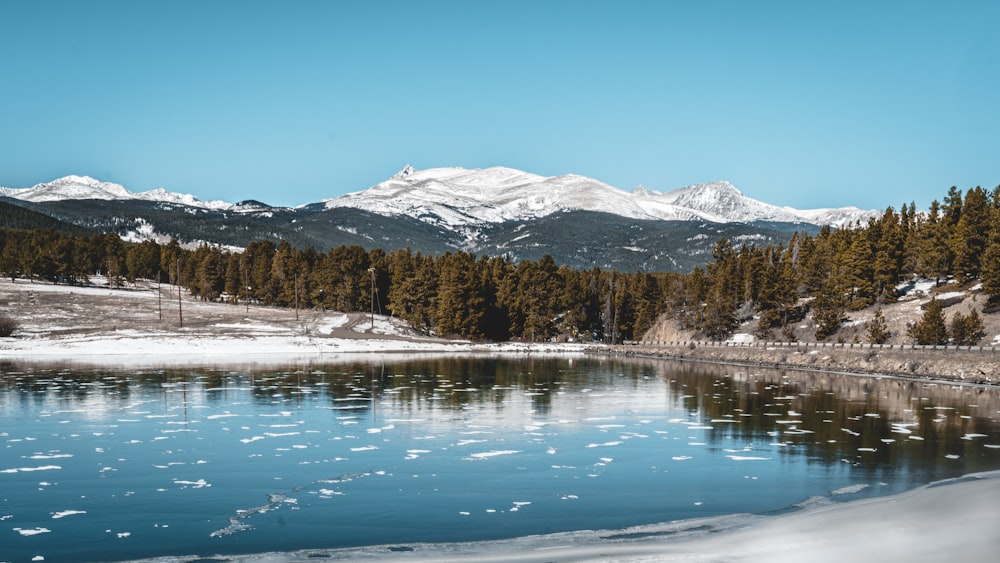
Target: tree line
{"x": 842, "y": 270}
{"x": 452, "y": 294}
{"x": 493, "y": 298}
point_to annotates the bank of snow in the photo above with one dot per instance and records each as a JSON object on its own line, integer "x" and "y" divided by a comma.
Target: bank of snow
{"x": 949, "y": 520}
{"x": 146, "y": 325}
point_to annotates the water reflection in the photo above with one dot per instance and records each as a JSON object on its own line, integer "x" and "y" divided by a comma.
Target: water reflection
{"x": 333, "y": 454}
{"x": 877, "y": 424}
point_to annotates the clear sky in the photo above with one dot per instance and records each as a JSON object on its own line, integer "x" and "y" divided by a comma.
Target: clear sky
{"x": 801, "y": 103}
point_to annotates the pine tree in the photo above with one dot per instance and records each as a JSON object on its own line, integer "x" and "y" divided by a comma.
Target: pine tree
{"x": 828, "y": 309}
{"x": 930, "y": 329}
{"x": 969, "y": 238}
{"x": 990, "y": 271}
{"x": 877, "y": 330}
{"x": 967, "y": 330}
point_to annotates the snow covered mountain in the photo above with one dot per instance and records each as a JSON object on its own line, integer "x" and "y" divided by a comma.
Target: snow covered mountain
{"x": 579, "y": 221}
{"x": 85, "y": 187}
{"x": 457, "y": 197}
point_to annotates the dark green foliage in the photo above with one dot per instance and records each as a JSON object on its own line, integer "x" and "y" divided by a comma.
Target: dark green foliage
{"x": 7, "y": 326}
{"x": 930, "y": 329}
{"x": 877, "y": 331}
{"x": 967, "y": 330}
{"x": 14, "y": 216}
{"x": 828, "y": 310}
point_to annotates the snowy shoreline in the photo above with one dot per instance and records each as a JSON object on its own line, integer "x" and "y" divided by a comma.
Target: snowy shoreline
{"x": 889, "y": 528}
{"x": 144, "y": 326}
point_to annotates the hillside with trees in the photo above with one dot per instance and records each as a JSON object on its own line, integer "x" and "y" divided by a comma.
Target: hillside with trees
{"x": 819, "y": 282}
{"x": 816, "y": 280}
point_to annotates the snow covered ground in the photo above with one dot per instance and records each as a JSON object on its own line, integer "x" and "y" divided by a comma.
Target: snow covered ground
{"x": 141, "y": 326}
{"x": 898, "y": 528}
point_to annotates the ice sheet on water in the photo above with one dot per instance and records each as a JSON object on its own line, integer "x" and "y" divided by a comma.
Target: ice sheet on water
{"x": 850, "y": 489}
{"x": 32, "y": 531}
{"x": 65, "y": 513}
{"x": 495, "y": 453}
{"x": 605, "y": 444}
{"x": 27, "y": 469}
{"x": 200, "y": 483}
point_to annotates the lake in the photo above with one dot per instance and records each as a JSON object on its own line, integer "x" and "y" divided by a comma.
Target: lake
{"x": 115, "y": 464}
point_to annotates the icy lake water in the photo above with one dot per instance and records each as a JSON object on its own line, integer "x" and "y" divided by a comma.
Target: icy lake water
{"x": 111, "y": 464}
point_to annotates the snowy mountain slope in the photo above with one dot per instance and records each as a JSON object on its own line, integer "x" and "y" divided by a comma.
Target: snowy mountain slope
{"x": 85, "y": 187}
{"x": 465, "y": 200}
{"x": 724, "y": 200}
{"x": 456, "y": 197}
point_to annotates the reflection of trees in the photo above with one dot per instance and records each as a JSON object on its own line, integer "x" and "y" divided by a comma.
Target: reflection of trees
{"x": 830, "y": 417}
{"x": 844, "y": 416}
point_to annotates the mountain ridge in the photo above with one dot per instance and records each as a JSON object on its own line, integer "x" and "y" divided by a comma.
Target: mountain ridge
{"x": 458, "y": 197}
{"x": 578, "y": 221}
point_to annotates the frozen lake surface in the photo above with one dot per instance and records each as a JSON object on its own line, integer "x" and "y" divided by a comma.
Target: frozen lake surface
{"x": 113, "y": 464}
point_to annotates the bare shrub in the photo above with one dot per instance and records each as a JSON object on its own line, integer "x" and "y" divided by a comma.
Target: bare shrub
{"x": 7, "y": 326}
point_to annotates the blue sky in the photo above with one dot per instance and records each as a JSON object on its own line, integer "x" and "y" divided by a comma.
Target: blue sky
{"x": 808, "y": 104}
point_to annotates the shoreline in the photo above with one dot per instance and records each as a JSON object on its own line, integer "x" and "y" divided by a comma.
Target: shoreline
{"x": 969, "y": 366}
{"x": 883, "y": 528}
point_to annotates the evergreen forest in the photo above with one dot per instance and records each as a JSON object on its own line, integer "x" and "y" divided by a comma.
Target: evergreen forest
{"x": 495, "y": 299}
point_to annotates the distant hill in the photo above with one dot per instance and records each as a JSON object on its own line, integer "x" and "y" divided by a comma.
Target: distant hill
{"x": 13, "y": 216}
{"x": 579, "y": 221}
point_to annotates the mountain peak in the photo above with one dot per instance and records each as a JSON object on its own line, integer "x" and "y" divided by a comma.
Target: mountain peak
{"x": 406, "y": 171}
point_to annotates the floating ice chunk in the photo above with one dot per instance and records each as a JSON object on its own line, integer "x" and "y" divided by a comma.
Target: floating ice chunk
{"x": 551, "y": 451}
{"x": 485, "y": 455}
{"x": 952, "y": 456}
{"x": 65, "y": 513}
{"x": 609, "y": 444}
{"x": 681, "y": 457}
{"x": 972, "y": 436}
{"x": 850, "y": 489}
{"x": 60, "y": 456}
{"x": 747, "y": 458}
{"x": 467, "y": 442}
{"x": 867, "y": 450}
{"x": 193, "y": 484}
{"x": 32, "y": 531}
{"x": 27, "y": 469}
{"x": 364, "y": 448}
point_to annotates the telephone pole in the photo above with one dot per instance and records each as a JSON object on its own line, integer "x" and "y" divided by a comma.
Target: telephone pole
{"x": 372, "y": 271}
{"x": 180, "y": 309}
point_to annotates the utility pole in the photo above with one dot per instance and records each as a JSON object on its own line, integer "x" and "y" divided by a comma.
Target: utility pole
{"x": 159, "y": 294}
{"x": 296, "y": 280}
{"x": 372, "y": 271}
{"x": 180, "y": 309}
